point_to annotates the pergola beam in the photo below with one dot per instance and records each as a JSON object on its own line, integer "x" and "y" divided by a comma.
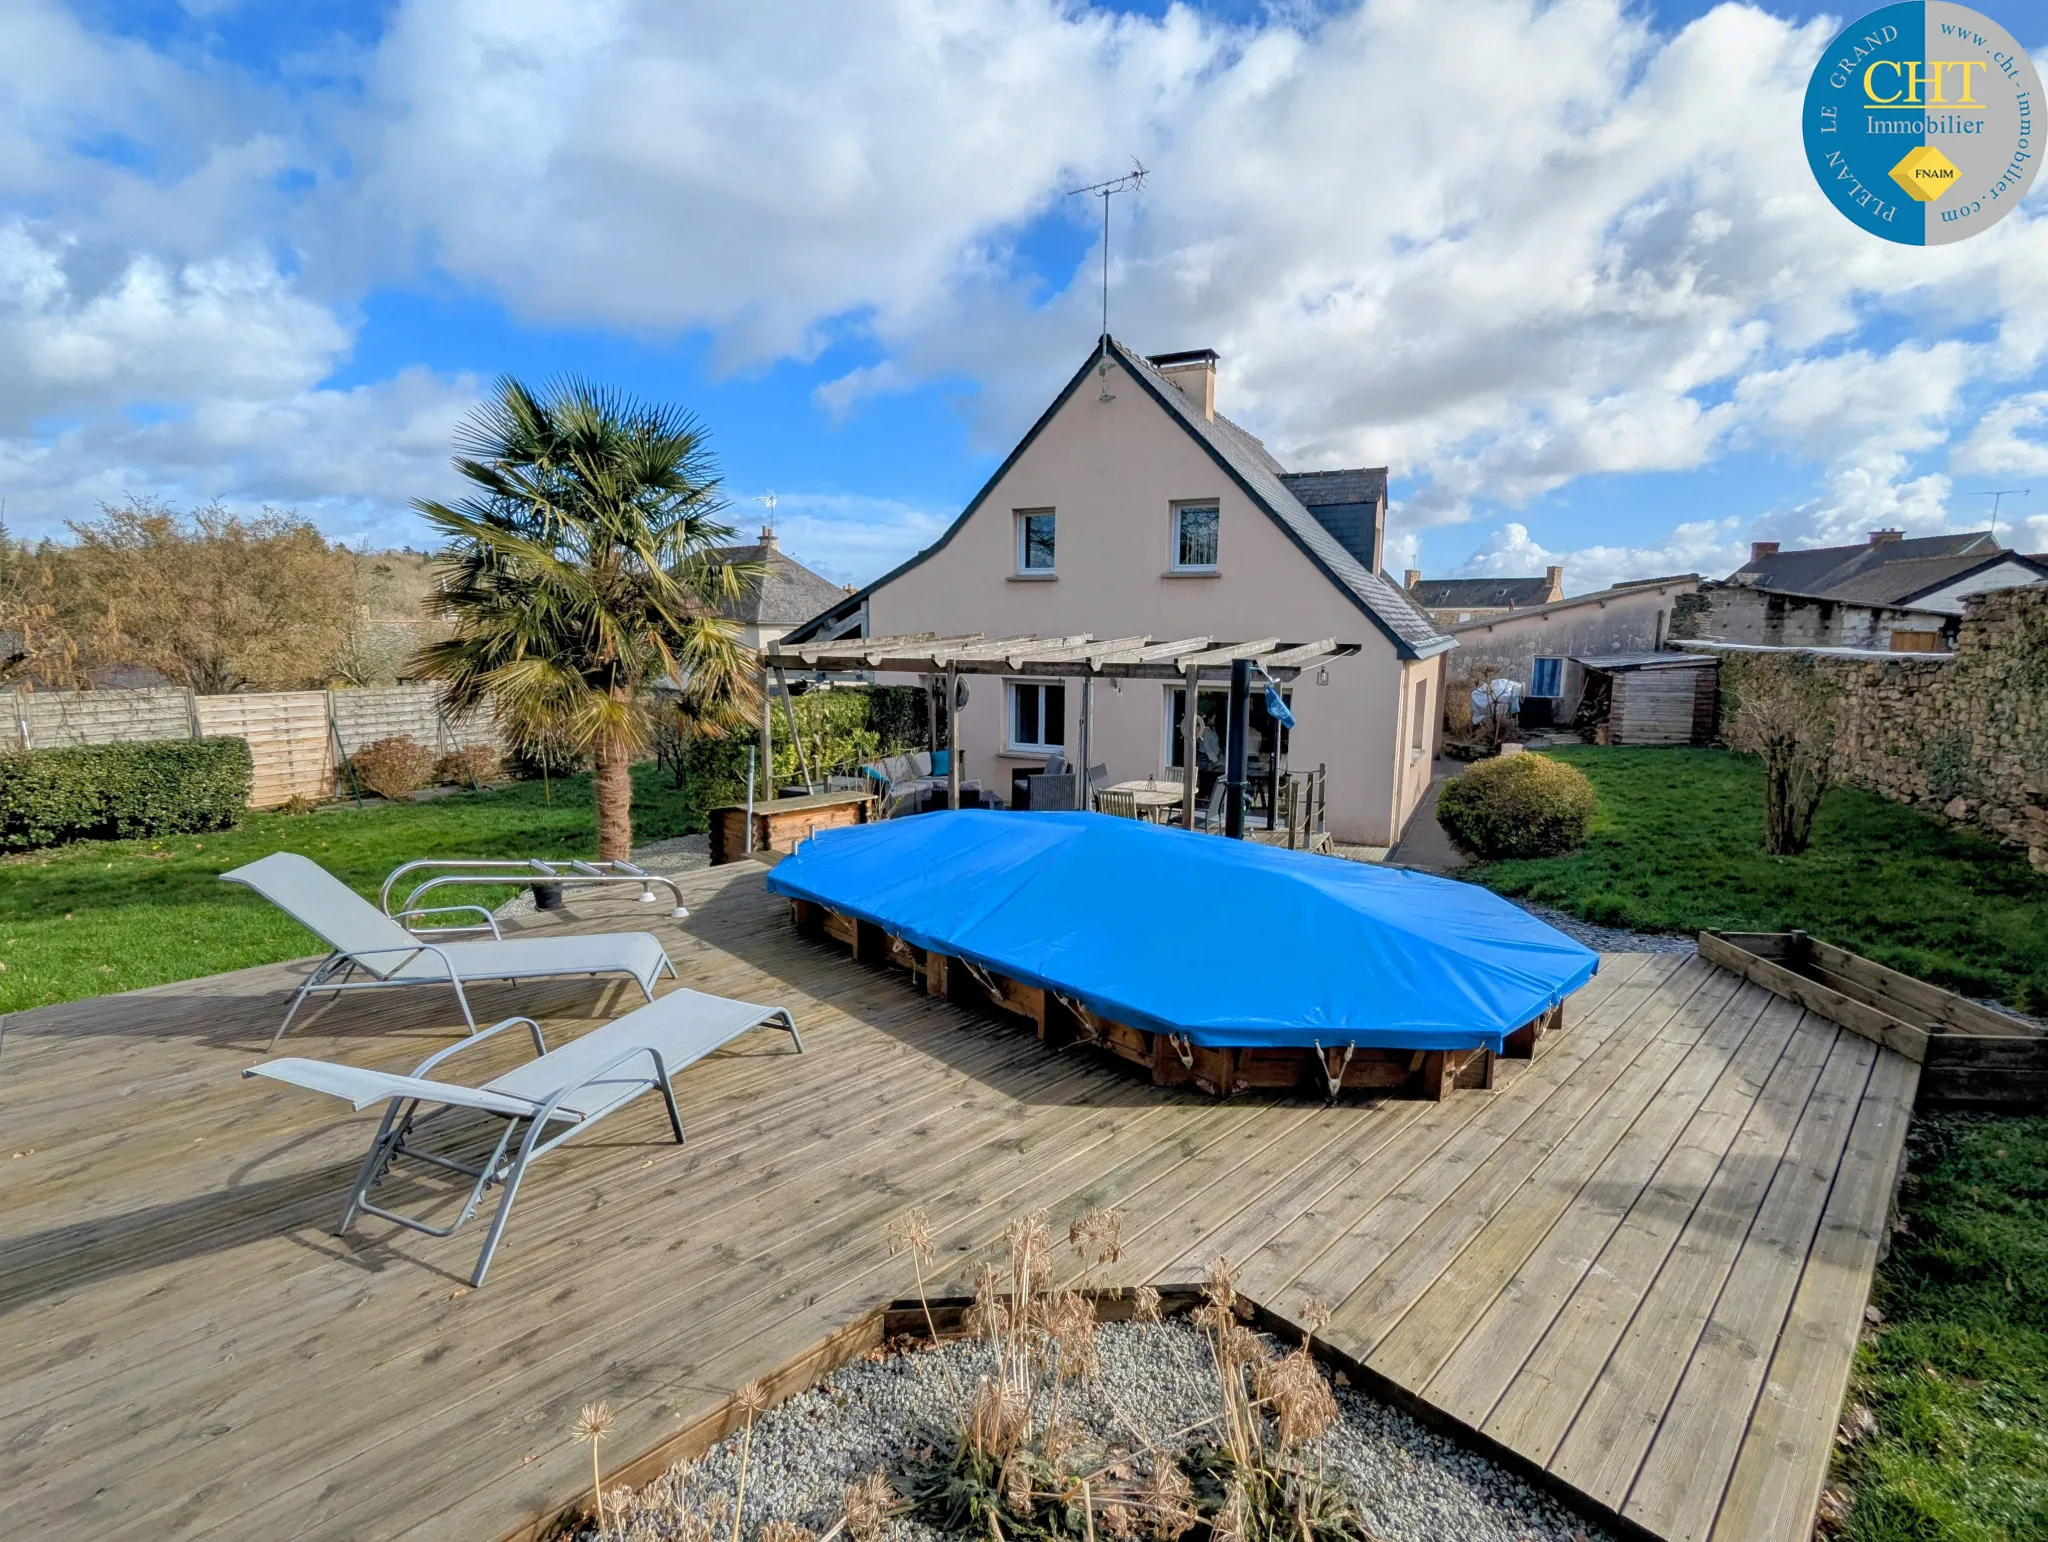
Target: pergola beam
{"x": 1125, "y": 658}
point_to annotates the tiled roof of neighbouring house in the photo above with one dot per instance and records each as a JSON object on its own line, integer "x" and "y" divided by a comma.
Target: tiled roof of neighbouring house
{"x": 1822, "y": 571}
{"x": 1479, "y": 593}
{"x": 785, "y": 592}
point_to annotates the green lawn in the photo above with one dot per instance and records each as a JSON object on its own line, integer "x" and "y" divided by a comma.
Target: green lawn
{"x": 1956, "y": 1376}
{"x": 103, "y": 916}
{"x": 1677, "y": 845}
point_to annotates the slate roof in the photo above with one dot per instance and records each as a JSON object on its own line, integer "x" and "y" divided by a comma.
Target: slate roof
{"x": 1349, "y": 504}
{"x": 785, "y": 593}
{"x": 1262, "y": 478}
{"x": 1480, "y": 593}
{"x": 1851, "y": 573}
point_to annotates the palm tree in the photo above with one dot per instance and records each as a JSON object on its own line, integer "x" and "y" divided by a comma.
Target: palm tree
{"x": 582, "y": 569}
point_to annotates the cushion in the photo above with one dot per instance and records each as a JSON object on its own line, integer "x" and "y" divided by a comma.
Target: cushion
{"x": 874, "y": 773}
{"x": 942, "y": 762}
{"x": 897, "y": 768}
{"x": 921, "y": 763}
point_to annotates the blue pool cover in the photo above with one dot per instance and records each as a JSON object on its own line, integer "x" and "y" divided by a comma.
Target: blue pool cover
{"x": 1227, "y": 942}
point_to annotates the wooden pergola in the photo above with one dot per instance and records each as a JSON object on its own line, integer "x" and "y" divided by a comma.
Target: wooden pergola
{"x": 1188, "y": 660}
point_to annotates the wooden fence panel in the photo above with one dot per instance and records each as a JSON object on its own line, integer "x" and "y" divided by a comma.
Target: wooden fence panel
{"x": 289, "y": 741}
{"x": 45, "y": 720}
{"x": 381, "y": 712}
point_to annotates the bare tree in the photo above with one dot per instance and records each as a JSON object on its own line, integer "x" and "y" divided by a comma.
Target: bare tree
{"x": 217, "y": 603}
{"x": 1787, "y": 714}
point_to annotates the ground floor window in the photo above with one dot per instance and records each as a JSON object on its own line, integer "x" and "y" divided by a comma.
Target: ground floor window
{"x": 1546, "y": 677}
{"x": 1038, "y": 715}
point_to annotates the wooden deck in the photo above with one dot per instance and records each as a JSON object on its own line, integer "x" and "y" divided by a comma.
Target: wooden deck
{"x": 1640, "y": 1263}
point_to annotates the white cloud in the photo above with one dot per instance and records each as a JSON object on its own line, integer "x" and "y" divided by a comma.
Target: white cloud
{"x": 1709, "y": 547}
{"x": 1620, "y": 265}
{"x": 849, "y": 539}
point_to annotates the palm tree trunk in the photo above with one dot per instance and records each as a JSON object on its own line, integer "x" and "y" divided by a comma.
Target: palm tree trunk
{"x": 613, "y": 786}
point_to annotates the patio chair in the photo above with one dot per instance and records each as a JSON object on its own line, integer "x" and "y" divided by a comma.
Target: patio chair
{"x": 1122, "y": 805}
{"x": 557, "y": 1094}
{"x": 377, "y": 946}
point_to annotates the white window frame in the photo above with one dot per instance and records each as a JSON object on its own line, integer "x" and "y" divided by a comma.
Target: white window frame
{"x": 1174, "y": 563}
{"x": 1011, "y": 742}
{"x": 1545, "y": 658}
{"x": 1022, "y": 550}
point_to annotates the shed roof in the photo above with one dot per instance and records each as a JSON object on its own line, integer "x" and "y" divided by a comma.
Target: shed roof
{"x": 1628, "y": 663}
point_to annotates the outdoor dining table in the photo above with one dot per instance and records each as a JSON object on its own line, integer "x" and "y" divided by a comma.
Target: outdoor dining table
{"x": 1150, "y": 795}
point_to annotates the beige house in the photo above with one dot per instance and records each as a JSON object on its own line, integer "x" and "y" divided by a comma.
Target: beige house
{"x": 1133, "y": 507}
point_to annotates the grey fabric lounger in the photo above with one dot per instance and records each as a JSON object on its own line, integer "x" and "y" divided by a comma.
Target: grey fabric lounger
{"x": 555, "y": 1095}
{"x": 374, "y": 951}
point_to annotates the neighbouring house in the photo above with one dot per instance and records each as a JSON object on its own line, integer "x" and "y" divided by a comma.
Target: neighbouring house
{"x": 1541, "y": 648}
{"x": 784, "y": 595}
{"x": 1891, "y": 594}
{"x": 1134, "y": 508}
{"x": 1455, "y": 601}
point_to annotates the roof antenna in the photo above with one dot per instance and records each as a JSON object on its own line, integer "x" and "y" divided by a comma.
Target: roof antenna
{"x": 1998, "y": 497}
{"x": 1130, "y": 182}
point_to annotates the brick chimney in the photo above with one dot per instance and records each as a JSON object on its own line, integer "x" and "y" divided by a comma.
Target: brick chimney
{"x": 1554, "y": 578}
{"x": 1193, "y": 372}
{"x": 768, "y": 540}
{"x": 1886, "y": 537}
{"x": 1411, "y": 578}
{"x": 1758, "y": 550}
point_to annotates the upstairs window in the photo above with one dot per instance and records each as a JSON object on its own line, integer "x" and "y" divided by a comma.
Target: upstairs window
{"x": 1195, "y": 530}
{"x": 1038, "y": 716}
{"x": 1035, "y": 541}
{"x": 1546, "y": 677}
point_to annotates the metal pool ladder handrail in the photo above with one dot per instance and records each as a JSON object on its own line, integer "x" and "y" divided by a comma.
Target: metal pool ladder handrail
{"x": 532, "y": 873}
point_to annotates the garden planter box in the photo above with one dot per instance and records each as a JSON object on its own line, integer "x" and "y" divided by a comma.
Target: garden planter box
{"x": 1970, "y": 1056}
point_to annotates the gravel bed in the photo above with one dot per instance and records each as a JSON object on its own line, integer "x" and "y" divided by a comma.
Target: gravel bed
{"x": 1606, "y": 939}
{"x": 1410, "y": 1484}
{"x": 682, "y": 854}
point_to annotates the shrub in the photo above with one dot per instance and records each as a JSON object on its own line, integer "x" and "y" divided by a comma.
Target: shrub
{"x": 1517, "y": 806}
{"x": 469, "y": 767}
{"x": 121, "y": 791}
{"x": 394, "y": 768}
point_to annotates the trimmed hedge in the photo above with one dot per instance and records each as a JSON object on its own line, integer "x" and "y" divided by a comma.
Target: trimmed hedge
{"x": 1517, "y": 806}
{"x": 121, "y": 791}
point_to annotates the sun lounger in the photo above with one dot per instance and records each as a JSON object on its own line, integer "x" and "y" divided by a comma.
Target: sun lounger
{"x": 375, "y": 951}
{"x": 555, "y": 1095}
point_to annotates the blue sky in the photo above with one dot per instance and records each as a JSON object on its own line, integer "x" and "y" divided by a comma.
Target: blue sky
{"x": 273, "y": 251}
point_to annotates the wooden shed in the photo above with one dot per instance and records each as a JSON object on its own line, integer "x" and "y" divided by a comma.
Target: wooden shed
{"x": 1651, "y": 698}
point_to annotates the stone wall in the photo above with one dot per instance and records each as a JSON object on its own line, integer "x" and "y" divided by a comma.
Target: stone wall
{"x": 1966, "y": 736}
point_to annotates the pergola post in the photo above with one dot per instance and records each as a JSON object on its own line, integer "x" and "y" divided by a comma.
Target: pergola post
{"x": 803, "y": 761}
{"x": 1234, "y": 756}
{"x": 1190, "y": 740}
{"x": 1087, "y": 735}
{"x": 767, "y": 733}
{"x": 952, "y": 738}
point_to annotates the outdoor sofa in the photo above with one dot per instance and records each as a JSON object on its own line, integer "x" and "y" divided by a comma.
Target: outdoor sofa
{"x": 910, "y": 784}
